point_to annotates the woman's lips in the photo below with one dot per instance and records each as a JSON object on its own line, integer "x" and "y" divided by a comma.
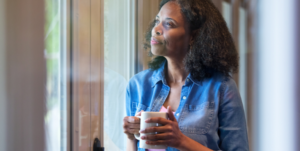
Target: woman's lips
{"x": 155, "y": 41}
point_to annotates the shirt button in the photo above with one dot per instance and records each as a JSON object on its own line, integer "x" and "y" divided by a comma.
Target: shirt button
{"x": 184, "y": 97}
{"x": 188, "y": 80}
{"x": 177, "y": 114}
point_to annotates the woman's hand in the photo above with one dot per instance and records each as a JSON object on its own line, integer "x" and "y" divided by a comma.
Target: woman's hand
{"x": 169, "y": 133}
{"x": 131, "y": 125}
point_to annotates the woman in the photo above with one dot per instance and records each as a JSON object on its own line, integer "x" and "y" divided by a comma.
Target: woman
{"x": 190, "y": 76}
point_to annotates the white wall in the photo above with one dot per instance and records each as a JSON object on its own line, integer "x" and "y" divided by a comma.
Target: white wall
{"x": 2, "y": 77}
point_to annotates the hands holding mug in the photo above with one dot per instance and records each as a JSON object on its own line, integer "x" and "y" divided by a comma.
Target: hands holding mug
{"x": 166, "y": 135}
{"x": 131, "y": 125}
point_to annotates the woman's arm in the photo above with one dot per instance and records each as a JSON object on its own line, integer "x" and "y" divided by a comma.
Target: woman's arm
{"x": 232, "y": 123}
{"x": 131, "y": 145}
{"x": 189, "y": 144}
{"x": 131, "y": 126}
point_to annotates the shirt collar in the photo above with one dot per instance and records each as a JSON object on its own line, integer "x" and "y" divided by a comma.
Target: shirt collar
{"x": 159, "y": 75}
{"x": 190, "y": 77}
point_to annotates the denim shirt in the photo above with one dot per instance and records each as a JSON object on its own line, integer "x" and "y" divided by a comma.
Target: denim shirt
{"x": 210, "y": 112}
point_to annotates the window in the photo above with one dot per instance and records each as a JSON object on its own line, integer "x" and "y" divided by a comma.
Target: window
{"x": 105, "y": 54}
{"x": 119, "y": 59}
{"x": 55, "y": 54}
{"x": 124, "y": 56}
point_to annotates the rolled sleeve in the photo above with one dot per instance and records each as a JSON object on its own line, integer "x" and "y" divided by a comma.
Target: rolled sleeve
{"x": 232, "y": 123}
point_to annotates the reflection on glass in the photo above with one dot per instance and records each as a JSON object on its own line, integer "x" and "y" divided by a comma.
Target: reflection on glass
{"x": 116, "y": 71}
{"x": 55, "y": 118}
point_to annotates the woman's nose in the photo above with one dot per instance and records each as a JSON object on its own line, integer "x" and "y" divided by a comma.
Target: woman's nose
{"x": 157, "y": 31}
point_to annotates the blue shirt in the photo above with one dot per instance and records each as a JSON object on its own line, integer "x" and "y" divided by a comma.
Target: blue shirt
{"x": 210, "y": 112}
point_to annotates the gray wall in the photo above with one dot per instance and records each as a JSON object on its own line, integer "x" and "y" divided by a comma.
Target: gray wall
{"x": 22, "y": 75}
{"x": 2, "y": 77}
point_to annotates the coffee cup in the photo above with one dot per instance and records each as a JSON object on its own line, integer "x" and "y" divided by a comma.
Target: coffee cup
{"x": 144, "y": 125}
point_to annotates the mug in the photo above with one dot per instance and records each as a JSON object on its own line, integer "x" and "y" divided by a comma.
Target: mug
{"x": 144, "y": 125}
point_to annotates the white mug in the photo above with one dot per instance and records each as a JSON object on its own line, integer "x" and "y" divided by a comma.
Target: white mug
{"x": 144, "y": 125}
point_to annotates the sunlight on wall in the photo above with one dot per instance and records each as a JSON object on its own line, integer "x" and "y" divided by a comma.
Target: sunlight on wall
{"x": 276, "y": 74}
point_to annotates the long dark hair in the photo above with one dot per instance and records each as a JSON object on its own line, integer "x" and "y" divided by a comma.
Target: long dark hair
{"x": 212, "y": 49}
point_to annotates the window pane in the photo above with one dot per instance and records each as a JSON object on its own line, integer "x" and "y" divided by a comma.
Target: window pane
{"x": 55, "y": 118}
{"x": 125, "y": 25}
{"x": 118, "y": 64}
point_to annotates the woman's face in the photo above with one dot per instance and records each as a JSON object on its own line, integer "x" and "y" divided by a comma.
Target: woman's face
{"x": 171, "y": 34}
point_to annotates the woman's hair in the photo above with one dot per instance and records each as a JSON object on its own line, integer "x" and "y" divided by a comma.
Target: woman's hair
{"x": 212, "y": 49}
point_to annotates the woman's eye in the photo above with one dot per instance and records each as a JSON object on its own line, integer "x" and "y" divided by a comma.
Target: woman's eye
{"x": 156, "y": 22}
{"x": 169, "y": 24}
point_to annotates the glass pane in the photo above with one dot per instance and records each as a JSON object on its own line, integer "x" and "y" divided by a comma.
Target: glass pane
{"x": 116, "y": 70}
{"x": 122, "y": 42}
{"x": 55, "y": 118}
